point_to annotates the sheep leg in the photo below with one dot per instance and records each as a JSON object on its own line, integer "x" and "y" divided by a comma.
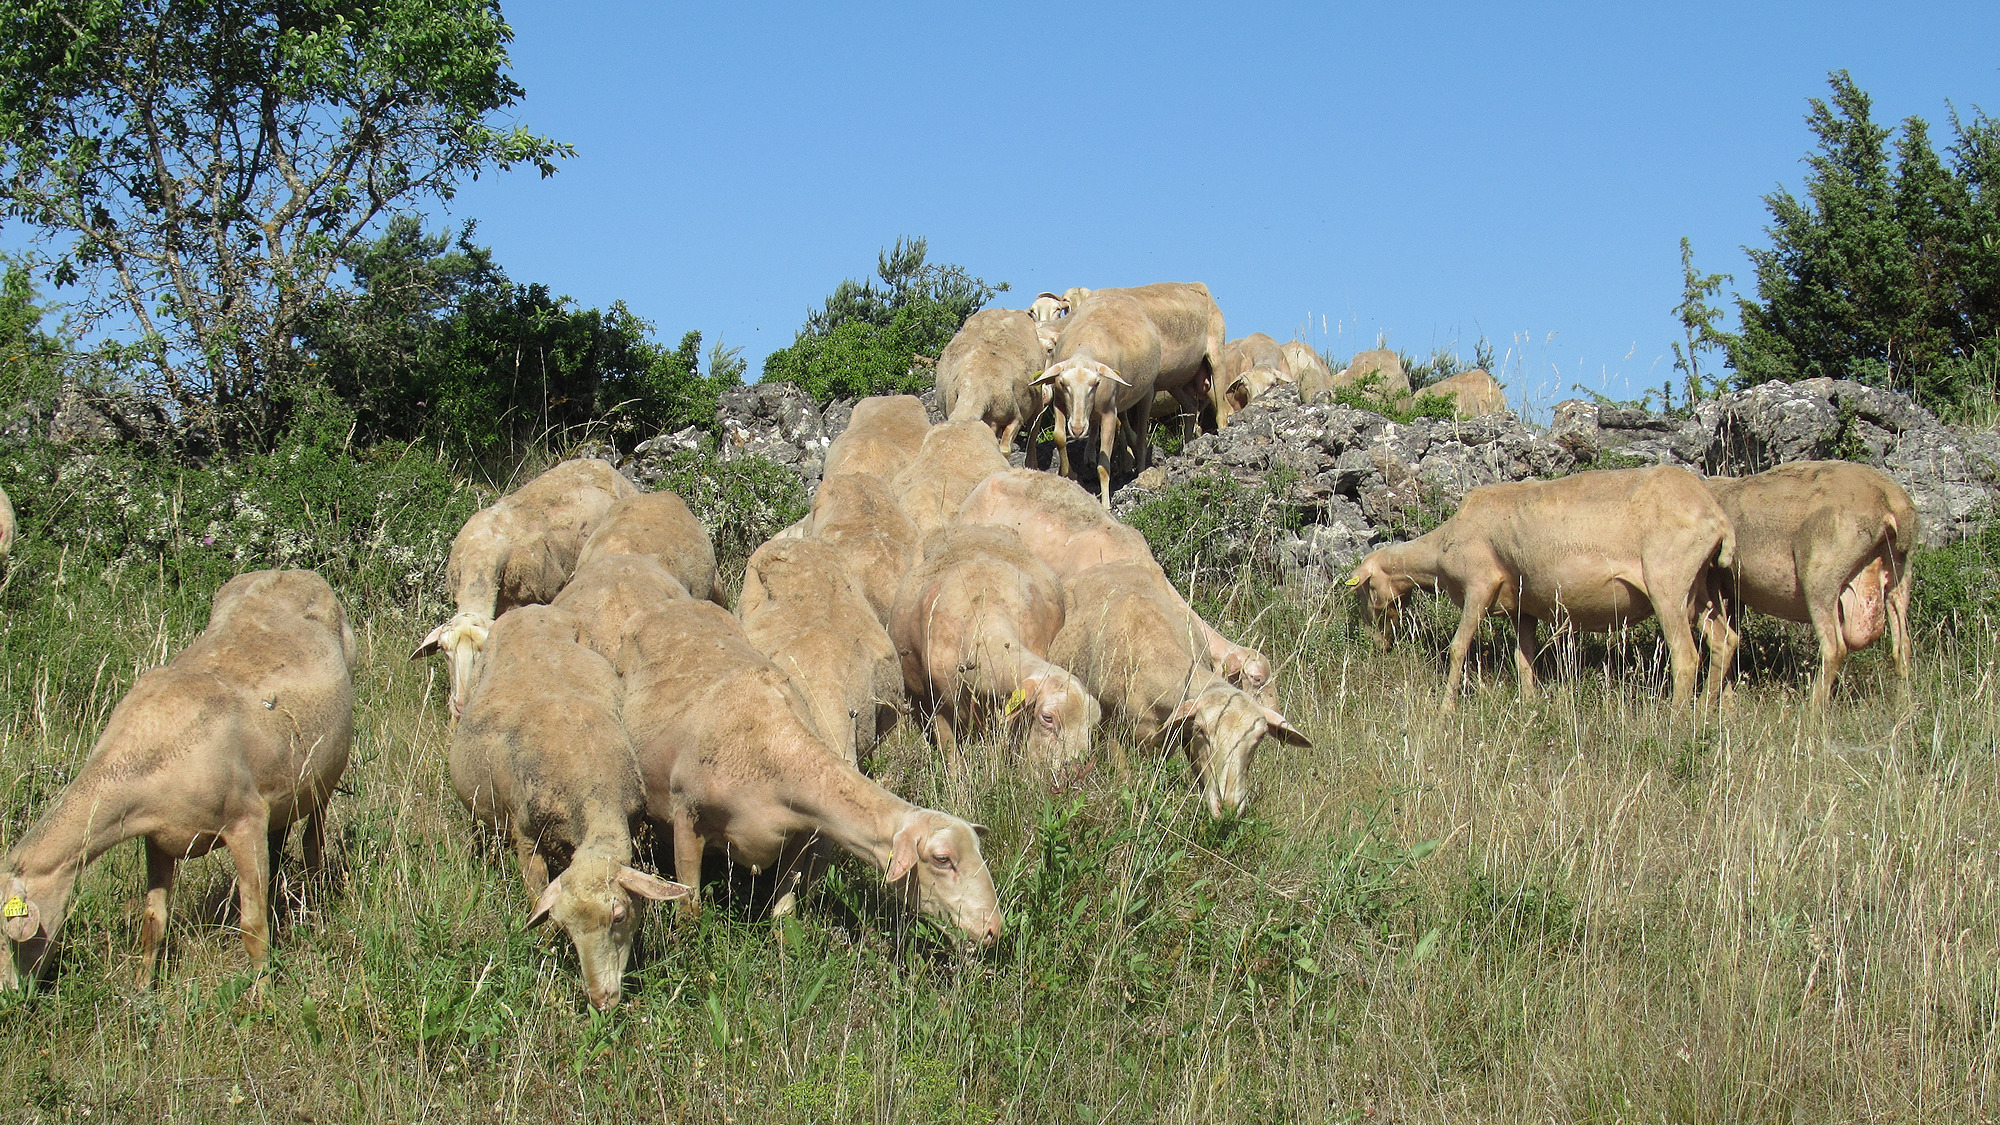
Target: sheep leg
{"x": 1682, "y": 656}
{"x": 1062, "y": 441}
{"x": 1720, "y": 634}
{"x": 1007, "y": 435}
{"x": 1899, "y": 622}
{"x": 153, "y": 924}
{"x": 1527, "y": 642}
{"x": 1107, "y": 440}
{"x": 1477, "y": 602}
{"x": 249, "y": 846}
{"x": 688, "y": 846}
{"x": 1825, "y": 613}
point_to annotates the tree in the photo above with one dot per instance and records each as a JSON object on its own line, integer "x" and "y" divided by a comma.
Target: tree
{"x": 206, "y": 165}
{"x": 435, "y": 341}
{"x": 1698, "y": 319}
{"x": 868, "y": 341}
{"x": 1889, "y": 274}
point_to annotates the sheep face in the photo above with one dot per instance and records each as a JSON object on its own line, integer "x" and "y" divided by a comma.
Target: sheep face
{"x": 1221, "y": 729}
{"x": 1379, "y": 595}
{"x": 462, "y": 639}
{"x": 1248, "y": 669}
{"x": 1058, "y": 716}
{"x": 1076, "y": 384}
{"x": 593, "y": 901}
{"x": 939, "y": 855}
{"x": 27, "y": 938}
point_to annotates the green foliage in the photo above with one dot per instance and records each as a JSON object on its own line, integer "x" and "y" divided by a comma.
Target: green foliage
{"x": 1443, "y": 363}
{"x": 213, "y": 163}
{"x": 870, "y": 340}
{"x": 435, "y": 342}
{"x": 1698, "y": 319}
{"x": 743, "y": 502}
{"x": 1886, "y": 274}
{"x": 1952, "y": 587}
{"x": 1212, "y": 525}
{"x": 30, "y": 359}
{"x": 1365, "y": 395}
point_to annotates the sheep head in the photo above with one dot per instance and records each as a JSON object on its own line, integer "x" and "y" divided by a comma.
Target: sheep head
{"x": 1076, "y": 383}
{"x": 1379, "y": 594}
{"x": 1057, "y": 715}
{"x": 939, "y": 854}
{"x": 462, "y": 638}
{"x": 1221, "y": 729}
{"x": 28, "y": 933}
{"x": 592, "y": 900}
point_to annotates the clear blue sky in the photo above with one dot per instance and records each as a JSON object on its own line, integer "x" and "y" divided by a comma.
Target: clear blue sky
{"x": 1431, "y": 172}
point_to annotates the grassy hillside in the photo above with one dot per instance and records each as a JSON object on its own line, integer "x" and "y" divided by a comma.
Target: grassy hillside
{"x": 1580, "y": 909}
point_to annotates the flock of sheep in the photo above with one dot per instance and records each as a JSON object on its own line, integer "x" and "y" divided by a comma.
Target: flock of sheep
{"x": 601, "y": 685}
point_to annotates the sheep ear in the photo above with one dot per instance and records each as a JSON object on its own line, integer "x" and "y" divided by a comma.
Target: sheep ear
{"x": 1177, "y": 722}
{"x": 1049, "y": 375}
{"x": 980, "y": 830}
{"x": 905, "y": 856}
{"x": 546, "y": 903}
{"x": 1282, "y": 730}
{"x": 19, "y": 917}
{"x": 431, "y": 642}
{"x": 651, "y": 886}
{"x": 1105, "y": 370}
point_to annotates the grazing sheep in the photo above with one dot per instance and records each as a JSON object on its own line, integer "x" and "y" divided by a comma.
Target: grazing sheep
{"x": 1250, "y": 366}
{"x": 731, "y": 759}
{"x": 1135, "y": 649}
{"x": 1103, "y": 371}
{"x": 859, "y": 514}
{"x": 955, "y": 457}
{"x": 1826, "y": 542}
{"x": 1587, "y": 553}
{"x": 518, "y": 552}
{"x": 9, "y": 529}
{"x": 803, "y": 608}
{"x": 1191, "y": 332}
{"x": 1067, "y": 530}
{"x": 243, "y": 734}
{"x": 973, "y": 624}
{"x": 1472, "y": 393}
{"x": 1308, "y": 370}
{"x": 540, "y": 757}
{"x": 608, "y": 590}
{"x": 881, "y": 437}
{"x": 658, "y": 525}
{"x": 1392, "y": 382}
{"x": 1047, "y": 306}
{"x": 987, "y": 374}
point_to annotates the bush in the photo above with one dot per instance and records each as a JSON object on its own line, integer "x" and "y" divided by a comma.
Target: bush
{"x": 1952, "y": 587}
{"x": 742, "y": 503}
{"x": 1212, "y": 524}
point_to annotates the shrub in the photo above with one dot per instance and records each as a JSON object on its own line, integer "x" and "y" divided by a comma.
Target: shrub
{"x": 742, "y": 502}
{"x": 1212, "y": 524}
{"x": 1952, "y": 587}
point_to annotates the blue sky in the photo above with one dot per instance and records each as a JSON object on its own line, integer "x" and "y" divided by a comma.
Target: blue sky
{"x": 1426, "y": 172}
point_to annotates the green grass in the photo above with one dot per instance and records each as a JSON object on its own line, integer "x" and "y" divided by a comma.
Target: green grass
{"x": 1584, "y": 908}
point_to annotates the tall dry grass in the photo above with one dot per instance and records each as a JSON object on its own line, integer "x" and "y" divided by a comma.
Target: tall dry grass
{"x": 1580, "y": 908}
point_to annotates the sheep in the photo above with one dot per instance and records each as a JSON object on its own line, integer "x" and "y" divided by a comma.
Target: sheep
{"x": 1472, "y": 393}
{"x": 802, "y": 608}
{"x": 1103, "y": 370}
{"x": 9, "y": 529}
{"x": 243, "y": 734}
{"x": 608, "y": 590}
{"x": 882, "y": 435}
{"x": 1826, "y": 542}
{"x": 540, "y": 758}
{"x": 1250, "y": 366}
{"x": 972, "y": 626}
{"x": 730, "y": 758}
{"x": 1047, "y": 306}
{"x": 1134, "y": 648}
{"x": 955, "y": 457}
{"x": 1192, "y": 333}
{"x": 658, "y": 524}
{"x": 859, "y": 513}
{"x": 1074, "y": 296}
{"x": 1589, "y": 553}
{"x": 987, "y": 374}
{"x": 1308, "y": 370}
{"x": 1067, "y": 530}
{"x": 518, "y": 552}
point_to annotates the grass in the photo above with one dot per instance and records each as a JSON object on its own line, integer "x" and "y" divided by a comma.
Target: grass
{"x": 1582, "y": 908}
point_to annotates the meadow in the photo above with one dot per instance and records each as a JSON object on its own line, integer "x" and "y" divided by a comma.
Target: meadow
{"x": 1580, "y": 908}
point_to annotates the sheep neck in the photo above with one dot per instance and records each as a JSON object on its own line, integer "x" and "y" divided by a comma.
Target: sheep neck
{"x": 87, "y": 820}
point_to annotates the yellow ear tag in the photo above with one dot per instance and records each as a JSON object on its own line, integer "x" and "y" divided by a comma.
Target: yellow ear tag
{"x": 1356, "y": 580}
{"x": 1014, "y": 703}
{"x": 16, "y": 907}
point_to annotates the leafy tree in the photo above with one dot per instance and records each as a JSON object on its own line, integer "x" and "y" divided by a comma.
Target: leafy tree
{"x": 207, "y": 164}
{"x": 30, "y": 357}
{"x": 1889, "y": 274}
{"x": 1698, "y": 319}
{"x": 435, "y": 341}
{"x": 868, "y": 340}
